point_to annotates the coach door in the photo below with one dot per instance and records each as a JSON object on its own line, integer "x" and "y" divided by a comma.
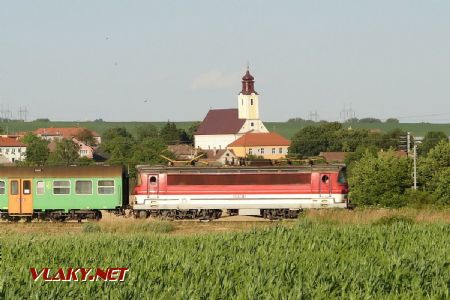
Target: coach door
{"x": 153, "y": 186}
{"x": 20, "y": 197}
{"x": 325, "y": 185}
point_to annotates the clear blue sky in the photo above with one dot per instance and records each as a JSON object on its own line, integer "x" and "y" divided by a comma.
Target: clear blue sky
{"x": 82, "y": 60}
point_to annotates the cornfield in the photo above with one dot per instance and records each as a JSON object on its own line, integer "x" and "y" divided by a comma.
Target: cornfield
{"x": 396, "y": 259}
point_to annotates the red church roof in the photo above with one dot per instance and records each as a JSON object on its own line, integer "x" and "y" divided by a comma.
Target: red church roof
{"x": 221, "y": 121}
{"x": 260, "y": 139}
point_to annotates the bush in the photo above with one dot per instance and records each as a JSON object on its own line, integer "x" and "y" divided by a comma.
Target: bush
{"x": 380, "y": 180}
{"x": 419, "y": 198}
{"x": 442, "y": 191}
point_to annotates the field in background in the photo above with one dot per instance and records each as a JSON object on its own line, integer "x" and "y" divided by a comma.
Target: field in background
{"x": 325, "y": 254}
{"x": 284, "y": 128}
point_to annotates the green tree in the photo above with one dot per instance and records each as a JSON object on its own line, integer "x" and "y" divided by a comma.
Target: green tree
{"x": 86, "y": 136}
{"x": 84, "y": 161}
{"x": 114, "y": 132}
{"x": 117, "y": 142}
{"x": 369, "y": 120}
{"x": 392, "y": 138}
{"x": 392, "y": 121}
{"x": 348, "y": 140}
{"x": 147, "y": 131}
{"x": 430, "y": 167}
{"x": 442, "y": 186}
{"x": 66, "y": 153}
{"x": 355, "y": 156}
{"x": 430, "y": 140}
{"x": 380, "y": 180}
{"x": 170, "y": 134}
{"x": 312, "y": 139}
{"x": 37, "y": 150}
{"x": 149, "y": 151}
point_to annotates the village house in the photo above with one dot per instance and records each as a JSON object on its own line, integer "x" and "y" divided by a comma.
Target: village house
{"x": 55, "y": 134}
{"x": 223, "y": 126}
{"x": 12, "y": 149}
{"x": 334, "y": 157}
{"x": 269, "y": 145}
{"x": 219, "y": 157}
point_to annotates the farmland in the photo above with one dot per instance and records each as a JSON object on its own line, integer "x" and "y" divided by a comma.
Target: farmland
{"x": 334, "y": 254}
{"x": 286, "y": 129}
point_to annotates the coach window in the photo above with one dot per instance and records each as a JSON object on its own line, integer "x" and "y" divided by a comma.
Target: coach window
{"x": 83, "y": 187}
{"x": 153, "y": 180}
{"x": 105, "y": 187}
{"x": 14, "y": 187}
{"x": 2, "y": 187}
{"x": 40, "y": 188}
{"x": 26, "y": 187}
{"x": 61, "y": 187}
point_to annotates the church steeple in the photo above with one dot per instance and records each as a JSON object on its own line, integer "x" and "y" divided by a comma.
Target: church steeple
{"x": 248, "y": 102}
{"x": 248, "y": 83}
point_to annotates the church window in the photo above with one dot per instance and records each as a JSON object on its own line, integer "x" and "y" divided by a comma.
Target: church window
{"x": 242, "y": 101}
{"x": 251, "y": 101}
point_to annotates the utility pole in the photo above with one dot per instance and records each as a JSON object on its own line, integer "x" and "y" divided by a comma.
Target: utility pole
{"x": 415, "y": 167}
{"x": 408, "y": 146}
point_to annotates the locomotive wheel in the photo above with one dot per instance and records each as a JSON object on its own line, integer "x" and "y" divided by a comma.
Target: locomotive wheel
{"x": 168, "y": 214}
{"x": 142, "y": 214}
{"x": 98, "y": 215}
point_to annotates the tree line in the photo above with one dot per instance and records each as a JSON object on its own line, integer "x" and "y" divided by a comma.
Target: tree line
{"x": 378, "y": 175}
{"x": 118, "y": 146}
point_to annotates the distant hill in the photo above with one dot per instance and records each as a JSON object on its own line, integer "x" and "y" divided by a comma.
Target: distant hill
{"x": 287, "y": 129}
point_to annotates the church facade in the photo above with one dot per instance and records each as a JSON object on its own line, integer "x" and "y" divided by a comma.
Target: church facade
{"x": 221, "y": 127}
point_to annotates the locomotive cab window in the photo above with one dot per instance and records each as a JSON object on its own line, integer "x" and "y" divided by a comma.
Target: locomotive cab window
{"x": 26, "y": 187}
{"x": 105, "y": 187}
{"x": 40, "y": 188}
{"x": 342, "y": 179}
{"x": 153, "y": 180}
{"x": 61, "y": 187}
{"x": 2, "y": 187}
{"x": 83, "y": 187}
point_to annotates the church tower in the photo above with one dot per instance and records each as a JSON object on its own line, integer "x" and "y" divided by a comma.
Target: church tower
{"x": 248, "y": 99}
{"x": 248, "y": 105}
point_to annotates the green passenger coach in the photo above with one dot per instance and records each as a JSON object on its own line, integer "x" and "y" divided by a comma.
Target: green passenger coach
{"x": 62, "y": 193}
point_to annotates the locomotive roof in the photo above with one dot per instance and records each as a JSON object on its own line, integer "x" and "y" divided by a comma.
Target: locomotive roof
{"x": 290, "y": 169}
{"x": 62, "y": 171}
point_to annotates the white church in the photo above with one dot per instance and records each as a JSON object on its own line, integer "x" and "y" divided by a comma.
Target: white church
{"x": 221, "y": 127}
